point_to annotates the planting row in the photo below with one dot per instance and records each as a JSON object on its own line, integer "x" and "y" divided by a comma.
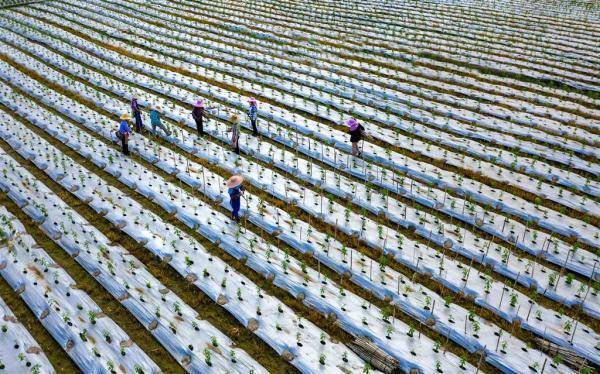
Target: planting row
{"x": 274, "y": 221}
{"x": 185, "y": 255}
{"x": 367, "y": 322}
{"x": 19, "y": 352}
{"x": 93, "y": 341}
{"x": 391, "y": 103}
{"x": 501, "y": 226}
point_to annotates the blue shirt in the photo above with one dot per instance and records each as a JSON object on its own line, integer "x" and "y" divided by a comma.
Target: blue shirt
{"x": 124, "y": 127}
{"x": 235, "y": 193}
{"x": 154, "y": 117}
{"x": 253, "y": 112}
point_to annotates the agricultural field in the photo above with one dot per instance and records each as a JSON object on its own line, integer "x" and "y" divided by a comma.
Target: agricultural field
{"x": 462, "y": 235}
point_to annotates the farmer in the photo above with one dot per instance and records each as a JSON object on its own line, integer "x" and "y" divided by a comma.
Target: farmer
{"x": 356, "y": 131}
{"x": 235, "y": 133}
{"x": 197, "y": 114}
{"x": 253, "y": 115}
{"x": 123, "y": 133}
{"x": 235, "y": 190}
{"x": 137, "y": 115}
{"x": 155, "y": 120}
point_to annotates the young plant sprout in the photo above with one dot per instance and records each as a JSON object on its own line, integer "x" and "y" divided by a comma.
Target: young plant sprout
{"x": 207, "y": 357}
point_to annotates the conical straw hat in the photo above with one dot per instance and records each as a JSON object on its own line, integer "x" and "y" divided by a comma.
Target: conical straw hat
{"x": 234, "y": 181}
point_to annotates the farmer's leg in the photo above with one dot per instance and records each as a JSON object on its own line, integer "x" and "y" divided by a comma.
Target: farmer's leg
{"x": 124, "y": 146}
{"x": 199, "y": 126}
{"x": 254, "y": 128}
{"x": 235, "y": 209}
{"x": 139, "y": 125}
{"x": 165, "y": 129}
{"x": 354, "y": 148}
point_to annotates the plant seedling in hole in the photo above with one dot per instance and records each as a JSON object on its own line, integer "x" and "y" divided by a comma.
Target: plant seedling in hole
{"x": 213, "y": 341}
{"x": 388, "y": 332}
{"x": 557, "y": 360}
{"x": 107, "y": 336}
{"x": 177, "y": 308}
{"x": 569, "y": 279}
{"x": 322, "y": 359}
{"x": 567, "y": 326}
{"x": 476, "y": 328}
{"x": 411, "y": 330}
{"x": 207, "y": 356}
{"x": 92, "y": 315}
{"x": 232, "y": 356}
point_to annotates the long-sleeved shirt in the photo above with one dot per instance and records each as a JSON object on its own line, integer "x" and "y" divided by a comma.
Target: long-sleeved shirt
{"x": 235, "y": 131}
{"x": 197, "y": 113}
{"x": 356, "y": 134}
{"x": 155, "y": 118}
{"x": 124, "y": 127}
{"x": 134, "y": 106}
{"x": 253, "y": 112}
{"x": 236, "y": 192}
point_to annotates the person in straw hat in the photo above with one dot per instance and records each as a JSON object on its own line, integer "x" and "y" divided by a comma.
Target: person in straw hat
{"x": 137, "y": 115}
{"x": 253, "y": 115}
{"x": 123, "y": 133}
{"x": 235, "y": 133}
{"x": 156, "y": 122}
{"x": 235, "y": 188}
{"x": 197, "y": 115}
{"x": 356, "y": 131}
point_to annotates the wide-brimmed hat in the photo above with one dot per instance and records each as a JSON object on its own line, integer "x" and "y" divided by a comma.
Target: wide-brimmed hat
{"x": 352, "y": 124}
{"x": 252, "y": 100}
{"x": 125, "y": 116}
{"x": 199, "y": 104}
{"x": 234, "y": 181}
{"x": 234, "y": 118}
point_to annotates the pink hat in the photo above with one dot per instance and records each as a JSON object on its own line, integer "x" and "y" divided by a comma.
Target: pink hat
{"x": 252, "y": 100}
{"x": 199, "y": 104}
{"x": 352, "y": 124}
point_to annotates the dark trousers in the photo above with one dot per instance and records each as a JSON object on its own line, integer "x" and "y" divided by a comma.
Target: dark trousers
{"x": 124, "y": 146}
{"x": 200, "y": 126}
{"x": 139, "y": 125}
{"x": 235, "y": 208}
{"x": 236, "y": 149}
{"x": 254, "y": 128}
